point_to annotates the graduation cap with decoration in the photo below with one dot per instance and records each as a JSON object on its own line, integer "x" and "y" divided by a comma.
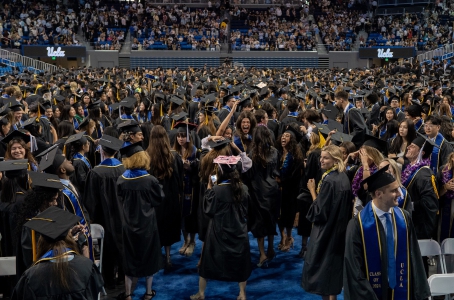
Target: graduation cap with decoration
{"x": 45, "y": 180}
{"x": 227, "y": 164}
{"x": 109, "y": 142}
{"x": 14, "y": 168}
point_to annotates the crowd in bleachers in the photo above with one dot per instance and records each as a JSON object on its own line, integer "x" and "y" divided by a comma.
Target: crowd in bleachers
{"x": 177, "y": 28}
{"x": 274, "y": 29}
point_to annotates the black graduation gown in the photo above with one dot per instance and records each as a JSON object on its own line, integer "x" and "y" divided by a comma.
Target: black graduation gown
{"x": 226, "y": 253}
{"x": 104, "y": 207}
{"x": 265, "y": 196}
{"x": 193, "y": 108}
{"x": 290, "y": 181}
{"x": 356, "y": 284}
{"x": 330, "y": 213}
{"x": 79, "y": 177}
{"x": 84, "y": 278}
{"x": 93, "y": 156}
{"x": 273, "y": 125}
{"x": 443, "y": 154}
{"x": 141, "y": 247}
{"x": 46, "y": 133}
{"x": 285, "y": 122}
{"x": 311, "y": 171}
{"x": 168, "y": 213}
{"x": 425, "y": 203}
{"x": 8, "y": 225}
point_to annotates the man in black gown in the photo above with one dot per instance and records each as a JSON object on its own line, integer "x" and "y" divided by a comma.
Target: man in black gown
{"x": 104, "y": 207}
{"x": 399, "y": 274}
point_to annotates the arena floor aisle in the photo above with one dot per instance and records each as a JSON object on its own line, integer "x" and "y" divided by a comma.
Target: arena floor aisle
{"x": 281, "y": 280}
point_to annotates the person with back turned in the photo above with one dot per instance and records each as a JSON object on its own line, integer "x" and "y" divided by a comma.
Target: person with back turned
{"x": 382, "y": 257}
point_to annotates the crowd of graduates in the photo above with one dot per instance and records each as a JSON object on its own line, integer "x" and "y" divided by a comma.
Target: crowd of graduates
{"x": 211, "y": 154}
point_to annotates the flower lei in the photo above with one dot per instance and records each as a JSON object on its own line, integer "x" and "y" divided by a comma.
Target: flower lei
{"x": 410, "y": 169}
{"x": 356, "y": 185}
{"x": 447, "y": 175}
{"x": 323, "y": 177}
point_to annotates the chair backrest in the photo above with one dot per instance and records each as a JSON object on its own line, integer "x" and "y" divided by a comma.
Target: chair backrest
{"x": 441, "y": 284}
{"x": 7, "y": 266}
{"x": 429, "y": 247}
{"x": 447, "y": 246}
{"x": 97, "y": 231}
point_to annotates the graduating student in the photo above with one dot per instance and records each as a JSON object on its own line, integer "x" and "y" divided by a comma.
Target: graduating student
{"x": 130, "y": 132}
{"x": 440, "y": 153}
{"x": 167, "y": 167}
{"x": 104, "y": 206}
{"x": 330, "y": 211}
{"x": 60, "y": 270}
{"x": 226, "y": 254}
{"x": 78, "y": 146}
{"x": 140, "y": 193}
{"x": 382, "y": 257}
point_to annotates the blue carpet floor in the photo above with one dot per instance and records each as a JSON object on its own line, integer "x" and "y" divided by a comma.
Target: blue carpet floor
{"x": 281, "y": 280}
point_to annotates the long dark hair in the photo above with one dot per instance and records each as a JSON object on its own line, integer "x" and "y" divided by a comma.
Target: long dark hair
{"x": 11, "y": 185}
{"x": 398, "y": 140}
{"x": 392, "y": 128}
{"x": 293, "y": 147}
{"x": 160, "y": 153}
{"x": 235, "y": 183}
{"x": 261, "y": 145}
{"x": 146, "y": 130}
{"x": 65, "y": 129}
{"x": 65, "y": 113}
{"x": 60, "y": 275}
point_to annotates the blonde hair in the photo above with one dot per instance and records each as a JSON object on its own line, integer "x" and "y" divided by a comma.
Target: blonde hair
{"x": 139, "y": 160}
{"x": 336, "y": 154}
{"x": 396, "y": 169}
{"x": 374, "y": 154}
{"x": 315, "y": 143}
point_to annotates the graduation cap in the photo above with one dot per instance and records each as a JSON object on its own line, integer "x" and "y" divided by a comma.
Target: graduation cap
{"x": 179, "y": 117}
{"x": 16, "y": 134}
{"x": 195, "y": 86}
{"x": 180, "y": 90}
{"x": 295, "y": 133}
{"x": 226, "y": 98}
{"x": 156, "y": 84}
{"x": 374, "y": 142}
{"x": 53, "y": 224}
{"x": 51, "y": 159}
{"x": 334, "y": 125}
{"x": 79, "y": 137}
{"x": 424, "y": 144}
{"x": 330, "y": 111}
{"x": 178, "y": 101}
{"x": 45, "y": 180}
{"x": 59, "y": 98}
{"x": 107, "y": 141}
{"x": 14, "y": 105}
{"x": 30, "y": 122}
{"x": 14, "y": 168}
{"x": 379, "y": 179}
{"x": 218, "y": 144}
{"x": 129, "y": 126}
{"x": 4, "y": 110}
{"x": 128, "y": 102}
{"x": 95, "y": 104}
{"x": 208, "y": 99}
{"x": 130, "y": 150}
{"x": 341, "y": 137}
{"x": 115, "y": 106}
{"x": 227, "y": 164}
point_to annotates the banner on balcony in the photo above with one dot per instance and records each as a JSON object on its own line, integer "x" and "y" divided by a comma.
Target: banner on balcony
{"x": 53, "y": 51}
{"x": 387, "y": 52}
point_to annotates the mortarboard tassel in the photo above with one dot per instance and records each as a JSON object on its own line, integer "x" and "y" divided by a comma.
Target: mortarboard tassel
{"x": 173, "y": 123}
{"x": 64, "y": 150}
{"x": 322, "y": 140}
{"x": 34, "y": 246}
{"x": 187, "y": 132}
{"x": 161, "y": 112}
{"x": 206, "y": 118}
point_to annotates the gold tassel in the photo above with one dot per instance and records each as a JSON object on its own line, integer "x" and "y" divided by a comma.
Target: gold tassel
{"x": 37, "y": 87}
{"x": 206, "y": 118}
{"x": 64, "y": 150}
{"x": 387, "y": 94}
{"x": 39, "y": 111}
{"x": 400, "y": 102}
{"x": 430, "y": 110}
{"x": 34, "y": 246}
{"x": 173, "y": 123}
{"x": 161, "y": 112}
{"x": 322, "y": 140}
{"x": 435, "y": 186}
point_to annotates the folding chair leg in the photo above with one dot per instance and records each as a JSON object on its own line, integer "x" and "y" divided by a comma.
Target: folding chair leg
{"x": 104, "y": 291}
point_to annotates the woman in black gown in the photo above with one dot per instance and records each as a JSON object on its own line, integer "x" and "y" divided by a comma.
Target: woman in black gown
{"x": 167, "y": 167}
{"x": 330, "y": 212}
{"x": 60, "y": 272}
{"x": 264, "y": 192}
{"x": 140, "y": 193}
{"x": 79, "y": 146}
{"x": 226, "y": 253}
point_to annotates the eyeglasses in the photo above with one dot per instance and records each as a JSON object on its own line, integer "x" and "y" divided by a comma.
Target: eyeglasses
{"x": 429, "y": 125}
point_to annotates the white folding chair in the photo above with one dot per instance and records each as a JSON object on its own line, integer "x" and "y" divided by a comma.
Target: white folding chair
{"x": 97, "y": 234}
{"x": 7, "y": 266}
{"x": 447, "y": 248}
{"x": 441, "y": 284}
{"x": 431, "y": 248}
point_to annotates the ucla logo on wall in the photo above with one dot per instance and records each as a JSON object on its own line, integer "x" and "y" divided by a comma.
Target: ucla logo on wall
{"x": 57, "y": 53}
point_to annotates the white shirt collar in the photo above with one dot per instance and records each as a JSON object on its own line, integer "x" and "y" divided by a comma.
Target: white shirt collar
{"x": 345, "y": 109}
{"x": 378, "y": 211}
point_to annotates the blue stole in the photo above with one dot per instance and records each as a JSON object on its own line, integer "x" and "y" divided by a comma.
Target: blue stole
{"x": 439, "y": 140}
{"x": 110, "y": 162}
{"x": 82, "y": 158}
{"x": 134, "y": 173}
{"x": 346, "y": 127}
{"x": 411, "y": 177}
{"x": 77, "y": 210}
{"x": 196, "y": 100}
{"x": 144, "y": 119}
{"x": 76, "y": 124}
{"x": 372, "y": 247}
{"x": 293, "y": 114}
{"x": 325, "y": 122}
{"x": 402, "y": 200}
{"x": 126, "y": 117}
{"x": 239, "y": 143}
{"x": 126, "y": 144}
{"x": 398, "y": 110}
{"x": 418, "y": 124}
{"x": 51, "y": 255}
{"x": 85, "y": 112}
{"x": 383, "y": 131}
{"x": 227, "y": 107}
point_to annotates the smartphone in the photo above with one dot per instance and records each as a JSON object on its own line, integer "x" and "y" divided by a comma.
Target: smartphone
{"x": 214, "y": 178}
